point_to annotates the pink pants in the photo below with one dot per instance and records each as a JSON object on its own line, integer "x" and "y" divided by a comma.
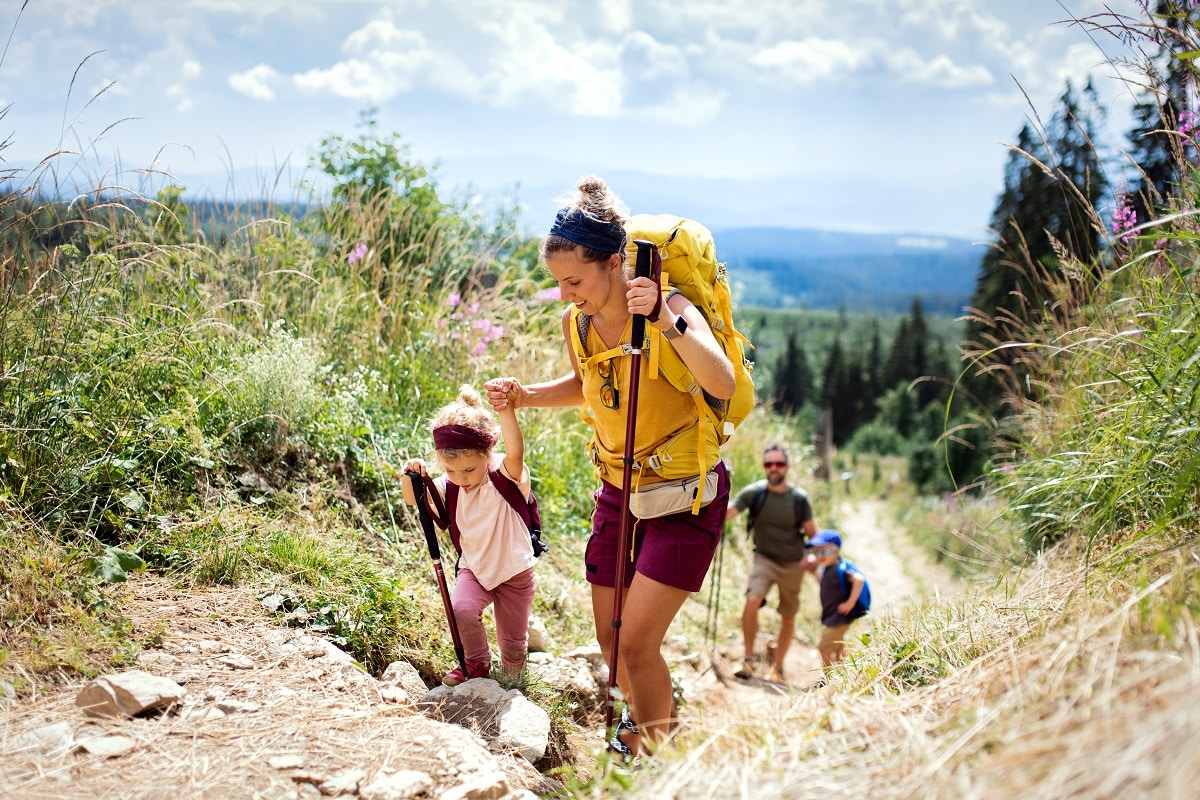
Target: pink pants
{"x": 513, "y": 599}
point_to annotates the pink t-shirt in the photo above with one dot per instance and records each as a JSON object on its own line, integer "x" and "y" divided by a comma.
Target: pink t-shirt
{"x": 495, "y": 542}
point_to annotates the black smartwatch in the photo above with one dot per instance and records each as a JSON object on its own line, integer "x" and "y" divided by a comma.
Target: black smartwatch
{"x": 679, "y": 329}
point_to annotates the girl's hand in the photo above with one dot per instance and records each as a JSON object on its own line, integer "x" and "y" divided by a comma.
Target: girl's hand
{"x": 505, "y": 393}
{"x": 845, "y": 608}
{"x": 415, "y": 465}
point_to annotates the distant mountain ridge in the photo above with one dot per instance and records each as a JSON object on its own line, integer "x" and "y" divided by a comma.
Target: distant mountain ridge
{"x": 863, "y": 272}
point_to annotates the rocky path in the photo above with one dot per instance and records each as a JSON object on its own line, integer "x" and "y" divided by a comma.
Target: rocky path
{"x": 898, "y": 571}
{"x": 273, "y": 713}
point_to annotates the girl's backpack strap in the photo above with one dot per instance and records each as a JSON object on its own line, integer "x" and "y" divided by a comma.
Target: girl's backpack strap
{"x": 442, "y": 513}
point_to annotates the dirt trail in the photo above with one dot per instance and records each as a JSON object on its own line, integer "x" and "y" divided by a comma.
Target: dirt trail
{"x": 899, "y": 572}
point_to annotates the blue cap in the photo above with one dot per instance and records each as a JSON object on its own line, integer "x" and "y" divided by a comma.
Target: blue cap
{"x": 827, "y": 536}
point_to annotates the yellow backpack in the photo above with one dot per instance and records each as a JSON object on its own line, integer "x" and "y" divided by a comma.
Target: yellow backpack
{"x": 689, "y": 264}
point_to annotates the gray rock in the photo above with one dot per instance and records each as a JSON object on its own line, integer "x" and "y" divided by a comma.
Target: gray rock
{"x": 128, "y": 694}
{"x": 504, "y": 718}
{"x": 401, "y": 785}
{"x": 405, "y": 676}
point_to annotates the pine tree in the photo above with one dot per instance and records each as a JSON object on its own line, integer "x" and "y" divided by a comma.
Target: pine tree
{"x": 1162, "y": 118}
{"x": 793, "y": 378}
{"x": 1052, "y": 183}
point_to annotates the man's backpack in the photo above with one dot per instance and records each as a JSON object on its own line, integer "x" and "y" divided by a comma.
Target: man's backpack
{"x": 864, "y": 598}
{"x": 760, "y": 500}
{"x": 509, "y": 490}
{"x": 689, "y": 265}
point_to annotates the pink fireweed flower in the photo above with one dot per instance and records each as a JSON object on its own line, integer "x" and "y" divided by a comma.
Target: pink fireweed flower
{"x": 454, "y": 300}
{"x": 551, "y": 295}
{"x": 358, "y": 253}
{"x": 1189, "y": 122}
{"x": 1124, "y": 219}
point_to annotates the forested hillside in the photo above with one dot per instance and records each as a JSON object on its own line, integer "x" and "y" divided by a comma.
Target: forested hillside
{"x": 860, "y": 272}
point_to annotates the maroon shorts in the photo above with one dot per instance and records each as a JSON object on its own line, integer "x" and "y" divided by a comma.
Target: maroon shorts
{"x": 676, "y": 550}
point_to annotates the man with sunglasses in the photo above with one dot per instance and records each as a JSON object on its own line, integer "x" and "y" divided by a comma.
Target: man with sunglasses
{"x": 781, "y": 521}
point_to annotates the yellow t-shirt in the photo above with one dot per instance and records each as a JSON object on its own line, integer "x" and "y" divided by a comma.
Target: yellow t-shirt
{"x": 662, "y": 411}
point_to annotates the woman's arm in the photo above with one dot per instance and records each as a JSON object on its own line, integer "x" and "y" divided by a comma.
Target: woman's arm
{"x": 564, "y": 391}
{"x": 697, "y": 347}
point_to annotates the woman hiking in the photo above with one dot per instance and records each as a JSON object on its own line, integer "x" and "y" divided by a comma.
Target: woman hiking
{"x": 670, "y": 554}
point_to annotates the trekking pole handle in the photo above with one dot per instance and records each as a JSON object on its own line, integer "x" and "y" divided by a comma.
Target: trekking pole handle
{"x": 418, "y": 487}
{"x": 641, "y": 269}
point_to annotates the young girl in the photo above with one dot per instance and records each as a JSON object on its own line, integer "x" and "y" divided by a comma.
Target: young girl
{"x": 497, "y": 559}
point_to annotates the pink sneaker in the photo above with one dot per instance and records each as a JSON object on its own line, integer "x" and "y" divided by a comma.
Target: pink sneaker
{"x": 475, "y": 669}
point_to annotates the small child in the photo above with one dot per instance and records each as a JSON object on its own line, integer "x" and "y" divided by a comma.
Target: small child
{"x": 496, "y": 565}
{"x": 842, "y": 586}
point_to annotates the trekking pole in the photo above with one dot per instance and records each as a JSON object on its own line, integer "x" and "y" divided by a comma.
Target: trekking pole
{"x": 645, "y": 250}
{"x": 435, "y": 553}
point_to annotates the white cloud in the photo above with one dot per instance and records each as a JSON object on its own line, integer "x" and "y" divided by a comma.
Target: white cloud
{"x": 939, "y": 71}
{"x": 353, "y": 79}
{"x": 812, "y": 60}
{"x": 256, "y": 82}
{"x": 184, "y": 102}
{"x": 686, "y": 107}
{"x": 192, "y": 68}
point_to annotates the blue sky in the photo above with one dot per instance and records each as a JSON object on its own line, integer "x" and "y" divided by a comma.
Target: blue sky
{"x": 878, "y": 115}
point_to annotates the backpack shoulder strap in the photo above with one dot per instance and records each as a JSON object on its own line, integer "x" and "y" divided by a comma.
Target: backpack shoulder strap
{"x": 512, "y": 495}
{"x": 526, "y": 507}
{"x": 756, "y": 506}
{"x": 579, "y": 333}
{"x": 437, "y": 510}
{"x": 451, "y": 509}
{"x": 799, "y": 500}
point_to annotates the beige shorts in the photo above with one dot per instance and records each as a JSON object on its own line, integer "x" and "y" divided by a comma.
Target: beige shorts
{"x": 788, "y": 576}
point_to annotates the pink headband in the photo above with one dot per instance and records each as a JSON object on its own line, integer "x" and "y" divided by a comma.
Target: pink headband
{"x": 462, "y": 437}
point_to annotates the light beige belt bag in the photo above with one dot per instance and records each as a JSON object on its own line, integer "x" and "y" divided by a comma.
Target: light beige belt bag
{"x": 671, "y": 497}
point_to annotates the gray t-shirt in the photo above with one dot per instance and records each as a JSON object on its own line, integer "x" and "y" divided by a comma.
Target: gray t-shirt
{"x": 778, "y": 533}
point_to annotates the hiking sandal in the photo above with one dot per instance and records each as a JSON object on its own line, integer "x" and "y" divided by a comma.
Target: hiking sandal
{"x": 623, "y": 750}
{"x": 627, "y": 723}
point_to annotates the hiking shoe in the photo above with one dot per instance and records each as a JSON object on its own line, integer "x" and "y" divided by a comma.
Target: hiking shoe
{"x": 626, "y": 723}
{"x": 776, "y": 675}
{"x": 475, "y": 669}
{"x": 747, "y": 670}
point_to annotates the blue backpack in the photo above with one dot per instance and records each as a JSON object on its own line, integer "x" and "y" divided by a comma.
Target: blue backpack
{"x": 864, "y": 598}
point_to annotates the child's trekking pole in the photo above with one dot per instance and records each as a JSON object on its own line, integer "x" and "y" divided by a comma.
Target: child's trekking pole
{"x": 435, "y": 553}
{"x": 645, "y": 251}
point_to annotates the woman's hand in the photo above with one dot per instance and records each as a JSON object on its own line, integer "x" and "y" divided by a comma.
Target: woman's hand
{"x": 505, "y": 393}
{"x": 642, "y": 296}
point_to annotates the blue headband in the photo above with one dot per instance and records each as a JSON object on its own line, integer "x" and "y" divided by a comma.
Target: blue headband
{"x": 576, "y": 226}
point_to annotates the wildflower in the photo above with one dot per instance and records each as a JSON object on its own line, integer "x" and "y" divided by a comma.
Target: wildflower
{"x": 454, "y": 300}
{"x": 1124, "y": 219}
{"x": 551, "y": 295}
{"x": 1189, "y": 122}
{"x": 358, "y": 253}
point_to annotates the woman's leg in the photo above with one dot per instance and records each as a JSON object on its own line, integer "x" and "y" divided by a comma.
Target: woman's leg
{"x": 648, "y": 609}
{"x": 514, "y": 600}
